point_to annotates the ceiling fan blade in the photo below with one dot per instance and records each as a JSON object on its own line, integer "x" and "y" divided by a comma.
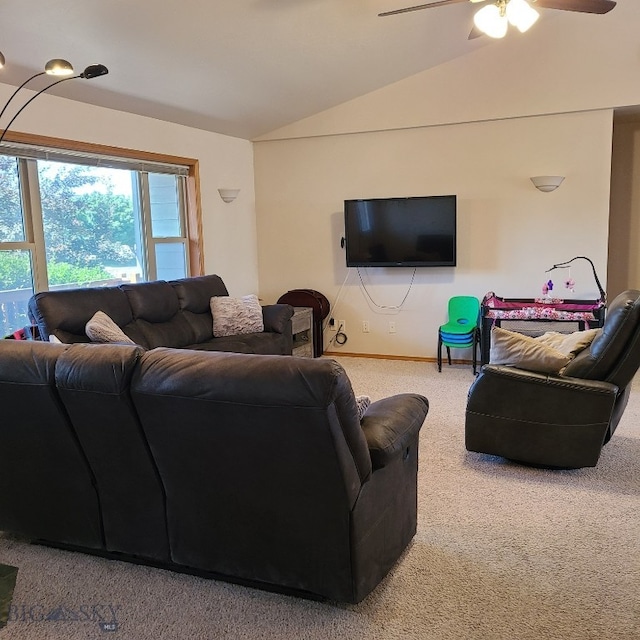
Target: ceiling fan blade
{"x": 439, "y": 3}
{"x": 583, "y": 6}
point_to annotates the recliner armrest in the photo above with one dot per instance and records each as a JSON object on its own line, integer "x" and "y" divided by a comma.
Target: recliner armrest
{"x": 531, "y": 397}
{"x": 390, "y": 425}
{"x": 276, "y": 317}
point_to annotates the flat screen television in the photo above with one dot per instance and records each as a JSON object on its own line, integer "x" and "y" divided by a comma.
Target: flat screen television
{"x": 401, "y": 232}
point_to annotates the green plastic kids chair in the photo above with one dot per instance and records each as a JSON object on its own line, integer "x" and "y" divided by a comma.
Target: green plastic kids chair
{"x": 462, "y": 330}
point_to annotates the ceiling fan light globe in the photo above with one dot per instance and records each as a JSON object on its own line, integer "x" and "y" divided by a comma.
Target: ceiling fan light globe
{"x": 521, "y": 15}
{"x": 490, "y": 21}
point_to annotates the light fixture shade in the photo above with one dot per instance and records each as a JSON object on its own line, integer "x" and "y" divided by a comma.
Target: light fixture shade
{"x": 491, "y": 21}
{"x": 2, "y": 60}
{"x": 228, "y": 195}
{"x": 58, "y": 67}
{"x": 547, "y": 183}
{"x": 521, "y": 14}
{"x": 94, "y": 71}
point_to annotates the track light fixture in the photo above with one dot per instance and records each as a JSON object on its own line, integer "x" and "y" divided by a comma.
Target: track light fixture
{"x": 56, "y": 67}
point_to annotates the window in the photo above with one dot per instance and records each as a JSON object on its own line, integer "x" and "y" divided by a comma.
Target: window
{"x": 71, "y": 221}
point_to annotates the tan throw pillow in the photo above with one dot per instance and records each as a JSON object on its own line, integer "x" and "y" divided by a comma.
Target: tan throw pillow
{"x": 101, "y": 328}
{"x": 236, "y": 316}
{"x": 570, "y": 344}
{"x": 517, "y": 350}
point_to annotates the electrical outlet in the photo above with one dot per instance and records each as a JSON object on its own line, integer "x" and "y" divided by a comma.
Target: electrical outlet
{"x": 342, "y": 326}
{"x": 365, "y": 326}
{"x": 332, "y": 325}
{"x": 392, "y": 326}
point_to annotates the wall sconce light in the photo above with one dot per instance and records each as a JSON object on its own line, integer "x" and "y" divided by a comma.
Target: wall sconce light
{"x": 228, "y": 195}
{"x": 56, "y": 67}
{"x": 547, "y": 183}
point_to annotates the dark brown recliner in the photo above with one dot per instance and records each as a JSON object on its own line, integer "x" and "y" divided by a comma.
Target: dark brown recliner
{"x": 559, "y": 420}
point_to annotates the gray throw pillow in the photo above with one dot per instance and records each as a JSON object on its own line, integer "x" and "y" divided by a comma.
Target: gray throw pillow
{"x": 101, "y": 328}
{"x": 236, "y": 316}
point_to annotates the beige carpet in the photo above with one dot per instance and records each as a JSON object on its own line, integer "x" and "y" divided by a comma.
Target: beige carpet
{"x": 502, "y": 552}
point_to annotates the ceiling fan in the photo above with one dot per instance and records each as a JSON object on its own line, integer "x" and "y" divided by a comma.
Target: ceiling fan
{"x": 495, "y": 16}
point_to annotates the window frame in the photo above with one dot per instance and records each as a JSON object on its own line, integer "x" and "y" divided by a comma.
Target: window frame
{"x": 32, "y": 213}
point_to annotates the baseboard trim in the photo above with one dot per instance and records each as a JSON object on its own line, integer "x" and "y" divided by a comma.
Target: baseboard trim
{"x": 380, "y": 356}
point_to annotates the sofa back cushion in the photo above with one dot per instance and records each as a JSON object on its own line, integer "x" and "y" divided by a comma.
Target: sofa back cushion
{"x": 94, "y": 384}
{"x": 194, "y": 296}
{"x": 47, "y": 486}
{"x": 277, "y": 435}
{"x": 65, "y": 313}
{"x": 156, "y": 314}
{"x": 194, "y": 293}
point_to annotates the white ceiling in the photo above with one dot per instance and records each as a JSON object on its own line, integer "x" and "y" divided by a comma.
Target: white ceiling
{"x": 239, "y": 67}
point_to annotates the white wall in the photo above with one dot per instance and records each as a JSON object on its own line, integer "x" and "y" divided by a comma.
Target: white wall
{"x": 509, "y": 232}
{"x": 229, "y": 229}
{"x": 478, "y": 126}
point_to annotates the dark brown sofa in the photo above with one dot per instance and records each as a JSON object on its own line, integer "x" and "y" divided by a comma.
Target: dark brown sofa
{"x": 153, "y": 314}
{"x": 249, "y": 468}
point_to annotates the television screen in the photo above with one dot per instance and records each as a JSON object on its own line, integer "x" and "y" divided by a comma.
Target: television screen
{"x": 401, "y": 232}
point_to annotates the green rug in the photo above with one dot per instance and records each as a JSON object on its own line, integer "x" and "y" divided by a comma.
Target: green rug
{"x": 8, "y": 577}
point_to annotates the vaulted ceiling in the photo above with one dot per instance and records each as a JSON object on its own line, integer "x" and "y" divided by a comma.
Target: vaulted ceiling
{"x": 238, "y": 67}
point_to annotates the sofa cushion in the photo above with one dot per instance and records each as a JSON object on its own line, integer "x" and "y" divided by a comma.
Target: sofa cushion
{"x": 93, "y": 382}
{"x": 236, "y": 316}
{"x": 158, "y": 319}
{"x": 48, "y": 491}
{"x": 176, "y": 333}
{"x": 194, "y": 298}
{"x": 152, "y": 301}
{"x": 51, "y": 310}
{"x": 260, "y": 343}
{"x": 101, "y": 328}
{"x": 194, "y": 294}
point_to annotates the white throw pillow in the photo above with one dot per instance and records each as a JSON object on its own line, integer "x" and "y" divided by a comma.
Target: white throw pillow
{"x": 236, "y": 316}
{"x": 101, "y": 328}
{"x": 54, "y": 339}
{"x": 362, "y": 402}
